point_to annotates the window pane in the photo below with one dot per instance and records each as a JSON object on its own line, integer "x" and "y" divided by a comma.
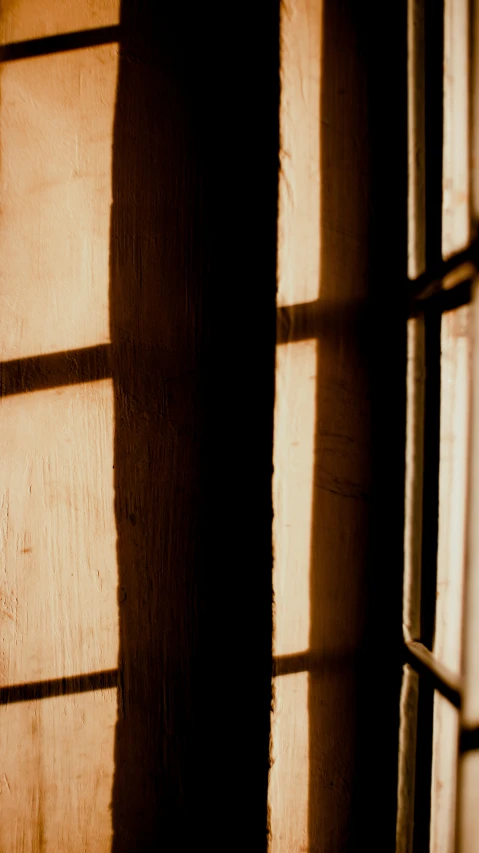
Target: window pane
{"x": 456, "y": 183}
{"x": 455, "y": 379}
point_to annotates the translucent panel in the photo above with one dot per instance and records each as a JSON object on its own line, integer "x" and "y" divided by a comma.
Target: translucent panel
{"x": 468, "y": 824}
{"x": 456, "y": 183}
{"x": 469, "y": 765}
{"x": 454, "y": 438}
{"x": 444, "y": 776}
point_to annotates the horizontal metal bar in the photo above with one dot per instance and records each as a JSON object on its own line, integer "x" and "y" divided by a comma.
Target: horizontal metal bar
{"x": 469, "y": 738}
{"x": 445, "y": 277}
{"x": 446, "y": 300}
{"x": 59, "y": 43}
{"x": 442, "y": 679}
{"x": 29, "y": 691}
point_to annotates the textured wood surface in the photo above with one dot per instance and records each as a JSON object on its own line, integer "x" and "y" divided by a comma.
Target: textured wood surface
{"x": 327, "y": 529}
{"x": 58, "y": 575}
{"x": 137, "y": 234}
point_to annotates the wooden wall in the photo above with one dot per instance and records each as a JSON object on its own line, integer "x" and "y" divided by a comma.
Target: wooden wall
{"x": 138, "y": 234}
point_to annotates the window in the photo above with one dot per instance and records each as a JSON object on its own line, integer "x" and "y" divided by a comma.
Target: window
{"x": 439, "y": 704}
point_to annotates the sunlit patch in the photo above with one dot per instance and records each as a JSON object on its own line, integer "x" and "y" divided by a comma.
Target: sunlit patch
{"x": 444, "y": 776}
{"x": 289, "y": 775}
{"x": 58, "y": 564}
{"x": 299, "y": 185}
{"x": 455, "y": 379}
{"x": 295, "y": 419}
{"x": 31, "y": 19}
{"x": 56, "y": 772}
{"x": 58, "y": 616}
{"x": 456, "y": 230}
{"x": 56, "y": 116}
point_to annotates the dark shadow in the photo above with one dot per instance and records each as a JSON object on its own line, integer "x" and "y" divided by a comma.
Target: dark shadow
{"x": 192, "y": 264}
{"x": 58, "y": 43}
{"x": 357, "y": 521}
{"x": 28, "y": 692}
{"x": 39, "y": 372}
{"x": 309, "y": 662}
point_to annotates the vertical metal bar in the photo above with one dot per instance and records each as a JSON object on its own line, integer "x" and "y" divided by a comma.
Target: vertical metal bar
{"x": 434, "y": 95}
{"x": 416, "y": 139}
{"x": 416, "y": 128}
{"x": 422, "y": 805}
{"x": 412, "y": 579}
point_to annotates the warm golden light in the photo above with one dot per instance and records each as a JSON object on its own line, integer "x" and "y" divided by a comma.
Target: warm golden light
{"x": 299, "y": 185}
{"x": 58, "y": 576}
{"x": 295, "y": 419}
{"x": 456, "y": 231}
{"x": 58, "y": 562}
{"x": 56, "y": 773}
{"x": 31, "y": 19}
{"x": 58, "y": 614}
{"x": 468, "y": 782}
{"x": 289, "y": 774}
{"x": 455, "y": 379}
{"x": 56, "y": 116}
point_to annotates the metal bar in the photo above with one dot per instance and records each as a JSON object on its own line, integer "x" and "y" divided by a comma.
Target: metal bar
{"x": 444, "y": 275}
{"x": 442, "y": 679}
{"x": 469, "y": 739}
{"x": 447, "y": 299}
{"x": 434, "y": 94}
